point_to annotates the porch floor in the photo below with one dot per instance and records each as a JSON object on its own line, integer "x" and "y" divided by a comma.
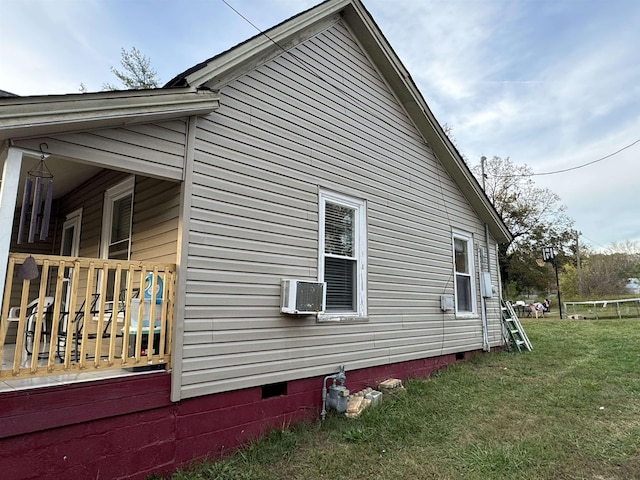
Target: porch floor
{"x": 8, "y": 384}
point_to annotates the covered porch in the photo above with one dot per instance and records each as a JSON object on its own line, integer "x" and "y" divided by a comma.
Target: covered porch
{"x": 95, "y": 292}
{"x": 83, "y": 314}
{"x": 111, "y": 217}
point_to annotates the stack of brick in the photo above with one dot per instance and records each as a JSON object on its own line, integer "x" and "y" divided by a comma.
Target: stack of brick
{"x": 391, "y": 385}
{"x": 361, "y": 400}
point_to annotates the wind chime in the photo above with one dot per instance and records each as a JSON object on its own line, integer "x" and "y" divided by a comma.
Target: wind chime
{"x": 36, "y": 202}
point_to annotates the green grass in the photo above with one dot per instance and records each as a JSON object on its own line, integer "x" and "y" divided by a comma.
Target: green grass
{"x": 570, "y": 409}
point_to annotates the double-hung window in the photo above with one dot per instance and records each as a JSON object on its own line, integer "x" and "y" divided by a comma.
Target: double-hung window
{"x": 116, "y": 226}
{"x": 464, "y": 273}
{"x": 343, "y": 252}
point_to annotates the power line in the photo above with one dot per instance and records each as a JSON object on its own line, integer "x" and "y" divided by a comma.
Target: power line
{"x": 594, "y": 242}
{"x": 589, "y": 163}
{"x": 554, "y": 172}
{"x": 252, "y": 24}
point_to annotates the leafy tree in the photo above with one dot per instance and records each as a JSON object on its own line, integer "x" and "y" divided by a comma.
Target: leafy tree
{"x": 605, "y": 275}
{"x": 136, "y": 73}
{"x": 569, "y": 280}
{"x": 527, "y": 276}
{"x": 628, "y": 247}
{"x": 535, "y": 217}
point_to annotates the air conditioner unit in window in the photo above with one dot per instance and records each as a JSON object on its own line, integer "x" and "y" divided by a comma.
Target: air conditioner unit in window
{"x": 302, "y": 297}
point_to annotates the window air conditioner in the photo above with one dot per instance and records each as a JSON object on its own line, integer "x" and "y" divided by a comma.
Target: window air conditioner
{"x": 302, "y": 297}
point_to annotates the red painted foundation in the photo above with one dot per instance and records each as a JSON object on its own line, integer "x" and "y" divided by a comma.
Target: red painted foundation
{"x": 129, "y": 428}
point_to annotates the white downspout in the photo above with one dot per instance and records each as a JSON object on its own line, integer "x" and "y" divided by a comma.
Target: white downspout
{"x": 483, "y": 309}
{"x": 485, "y": 322}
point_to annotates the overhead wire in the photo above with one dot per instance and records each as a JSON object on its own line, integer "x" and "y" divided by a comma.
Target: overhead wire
{"x": 554, "y": 172}
{"x": 591, "y": 162}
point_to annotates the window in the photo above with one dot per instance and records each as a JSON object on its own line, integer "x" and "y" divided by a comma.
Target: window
{"x": 70, "y": 247}
{"x": 70, "y": 242}
{"x": 116, "y": 226}
{"x": 116, "y": 221}
{"x": 463, "y": 274}
{"x": 342, "y": 262}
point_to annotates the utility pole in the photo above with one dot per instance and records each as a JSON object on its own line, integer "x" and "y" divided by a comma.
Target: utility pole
{"x": 484, "y": 175}
{"x": 578, "y": 263}
{"x": 548, "y": 255}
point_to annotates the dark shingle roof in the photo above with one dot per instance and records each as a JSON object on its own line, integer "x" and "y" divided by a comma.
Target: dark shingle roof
{"x": 7, "y": 94}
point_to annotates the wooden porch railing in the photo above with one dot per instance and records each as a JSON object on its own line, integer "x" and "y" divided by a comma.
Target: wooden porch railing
{"x": 83, "y": 313}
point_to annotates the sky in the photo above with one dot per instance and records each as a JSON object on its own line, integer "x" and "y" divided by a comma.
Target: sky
{"x": 551, "y": 84}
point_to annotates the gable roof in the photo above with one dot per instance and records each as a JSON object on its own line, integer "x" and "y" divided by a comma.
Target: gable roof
{"x": 227, "y": 66}
{"x": 244, "y": 56}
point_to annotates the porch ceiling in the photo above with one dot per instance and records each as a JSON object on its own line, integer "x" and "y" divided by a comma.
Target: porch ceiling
{"x": 67, "y": 175}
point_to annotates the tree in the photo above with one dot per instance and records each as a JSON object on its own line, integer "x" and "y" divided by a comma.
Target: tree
{"x": 569, "y": 280}
{"x": 534, "y": 215}
{"x": 603, "y": 274}
{"x": 137, "y": 72}
{"x": 628, "y": 247}
{"x": 606, "y": 274}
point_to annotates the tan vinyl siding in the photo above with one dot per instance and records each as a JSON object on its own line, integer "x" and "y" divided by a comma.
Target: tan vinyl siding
{"x": 323, "y": 119}
{"x": 90, "y": 197}
{"x": 155, "y": 216}
{"x": 155, "y": 220}
{"x": 156, "y": 150}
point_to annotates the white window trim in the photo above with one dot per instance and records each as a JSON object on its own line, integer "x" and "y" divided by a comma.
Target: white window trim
{"x": 467, "y": 237}
{"x": 360, "y": 254}
{"x": 113, "y": 194}
{"x": 73, "y": 219}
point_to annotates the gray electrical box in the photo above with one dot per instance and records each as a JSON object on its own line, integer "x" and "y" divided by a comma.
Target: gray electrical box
{"x": 446, "y": 303}
{"x": 485, "y": 285}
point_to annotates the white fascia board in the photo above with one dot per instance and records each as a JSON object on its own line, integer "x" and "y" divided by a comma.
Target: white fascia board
{"x": 274, "y": 42}
{"x": 32, "y": 116}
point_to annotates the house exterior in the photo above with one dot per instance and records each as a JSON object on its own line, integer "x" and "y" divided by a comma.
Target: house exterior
{"x": 308, "y": 154}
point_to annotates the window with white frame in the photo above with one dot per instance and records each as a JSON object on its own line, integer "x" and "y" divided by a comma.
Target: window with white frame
{"x": 342, "y": 259}
{"x": 118, "y": 205}
{"x": 464, "y": 273}
{"x": 116, "y": 225}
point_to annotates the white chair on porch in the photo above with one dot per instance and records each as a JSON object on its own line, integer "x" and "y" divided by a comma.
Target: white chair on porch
{"x": 31, "y": 318}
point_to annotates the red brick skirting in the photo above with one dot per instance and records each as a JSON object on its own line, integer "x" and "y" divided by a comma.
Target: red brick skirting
{"x": 128, "y": 427}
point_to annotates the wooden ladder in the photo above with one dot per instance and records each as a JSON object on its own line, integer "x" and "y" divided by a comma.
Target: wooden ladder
{"x": 515, "y": 334}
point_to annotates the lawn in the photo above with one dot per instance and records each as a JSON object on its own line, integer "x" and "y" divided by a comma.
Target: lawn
{"x": 570, "y": 409}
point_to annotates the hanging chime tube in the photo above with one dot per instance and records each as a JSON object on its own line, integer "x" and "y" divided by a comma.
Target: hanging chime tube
{"x": 44, "y": 230}
{"x": 25, "y": 206}
{"x": 35, "y": 209}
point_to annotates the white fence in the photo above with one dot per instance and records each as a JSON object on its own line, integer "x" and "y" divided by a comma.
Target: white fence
{"x": 629, "y": 307}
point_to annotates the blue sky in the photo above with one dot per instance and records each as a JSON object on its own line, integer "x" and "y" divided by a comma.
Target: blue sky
{"x": 553, "y": 84}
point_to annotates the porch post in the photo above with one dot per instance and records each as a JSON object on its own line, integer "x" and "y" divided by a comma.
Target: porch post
{"x": 8, "y": 199}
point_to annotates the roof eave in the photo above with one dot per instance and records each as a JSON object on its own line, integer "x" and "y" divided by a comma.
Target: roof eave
{"x": 43, "y": 115}
{"x": 259, "y": 49}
